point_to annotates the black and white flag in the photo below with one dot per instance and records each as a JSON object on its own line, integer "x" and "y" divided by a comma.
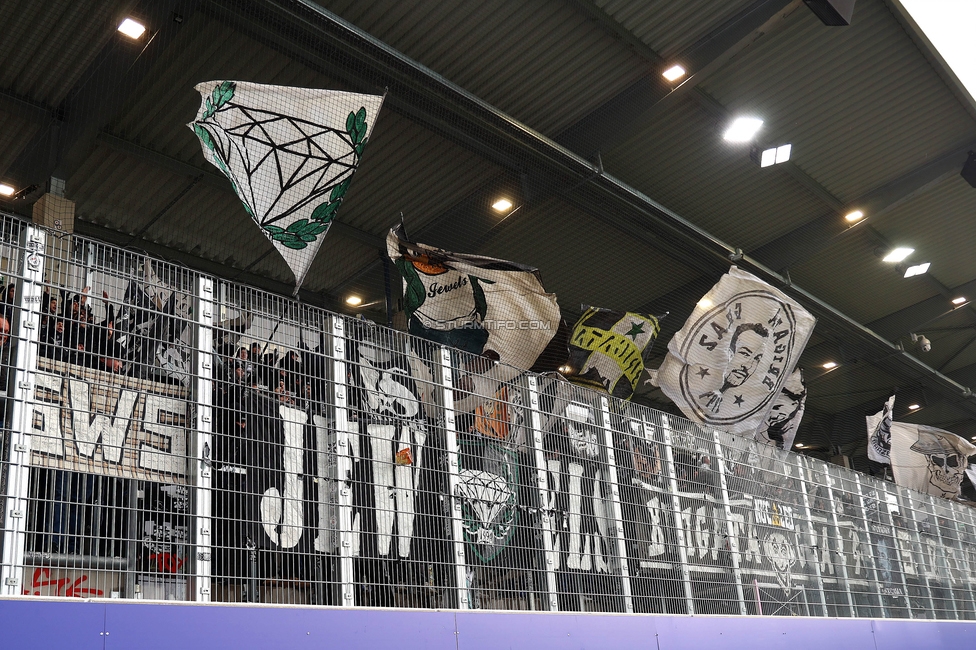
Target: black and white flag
{"x": 728, "y": 364}
{"x": 779, "y": 428}
{"x": 928, "y": 459}
{"x": 879, "y": 433}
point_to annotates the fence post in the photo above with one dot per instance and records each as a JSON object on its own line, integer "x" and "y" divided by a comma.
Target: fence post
{"x": 812, "y": 531}
{"x": 202, "y": 469}
{"x": 729, "y": 525}
{"x": 676, "y": 508}
{"x": 340, "y": 400}
{"x": 454, "y": 479}
{"x": 618, "y": 517}
{"x": 546, "y": 517}
{"x": 840, "y": 540}
{"x": 21, "y": 386}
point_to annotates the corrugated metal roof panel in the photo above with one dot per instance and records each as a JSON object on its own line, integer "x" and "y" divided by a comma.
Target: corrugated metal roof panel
{"x": 938, "y": 224}
{"x": 878, "y": 287}
{"x": 669, "y": 27}
{"x": 55, "y": 43}
{"x": 14, "y": 136}
{"x": 545, "y": 63}
{"x": 585, "y": 261}
{"x": 860, "y": 105}
{"x": 681, "y": 161}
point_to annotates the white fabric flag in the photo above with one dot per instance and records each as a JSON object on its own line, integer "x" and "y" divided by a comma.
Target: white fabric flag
{"x": 779, "y": 428}
{"x": 289, "y": 154}
{"x": 879, "y": 433}
{"x": 928, "y": 459}
{"x": 729, "y": 362}
{"x": 481, "y": 305}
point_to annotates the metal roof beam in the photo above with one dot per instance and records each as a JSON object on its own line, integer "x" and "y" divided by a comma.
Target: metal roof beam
{"x": 814, "y": 236}
{"x": 652, "y": 93}
{"x": 100, "y": 94}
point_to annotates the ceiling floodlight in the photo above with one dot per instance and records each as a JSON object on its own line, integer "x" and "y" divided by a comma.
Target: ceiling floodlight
{"x": 799, "y": 445}
{"x": 743, "y": 129}
{"x": 354, "y": 301}
{"x": 565, "y": 369}
{"x": 856, "y": 215}
{"x": 705, "y": 303}
{"x": 133, "y": 29}
{"x": 959, "y": 300}
{"x": 898, "y": 255}
{"x": 918, "y": 269}
{"x": 775, "y": 155}
{"x": 674, "y": 73}
{"x": 6, "y": 190}
{"x": 502, "y": 205}
{"x": 830, "y": 365}
{"x": 914, "y": 407}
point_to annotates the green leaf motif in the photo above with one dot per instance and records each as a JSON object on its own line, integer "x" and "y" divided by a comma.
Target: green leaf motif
{"x": 325, "y": 213}
{"x": 274, "y": 230}
{"x": 218, "y": 97}
{"x": 204, "y": 136}
{"x": 339, "y": 190}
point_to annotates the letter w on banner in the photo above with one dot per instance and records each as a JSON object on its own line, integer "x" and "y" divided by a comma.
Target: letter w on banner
{"x": 289, "y": 154}
{"x": 928, "y": 459}
{"x": 732, "y": 357}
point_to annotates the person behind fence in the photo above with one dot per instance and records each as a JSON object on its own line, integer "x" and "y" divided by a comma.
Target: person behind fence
{"x": 109, "y": 351}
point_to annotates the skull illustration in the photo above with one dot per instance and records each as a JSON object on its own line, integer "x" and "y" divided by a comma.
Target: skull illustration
{"x": 946, "y": 464}
{"x": 782, "y": 555}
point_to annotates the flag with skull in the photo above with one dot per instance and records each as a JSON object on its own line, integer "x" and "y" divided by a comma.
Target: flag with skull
{"x": 730, "y": 361}
{"x": 929, "y": 460}
{"x": 879, "y": 433}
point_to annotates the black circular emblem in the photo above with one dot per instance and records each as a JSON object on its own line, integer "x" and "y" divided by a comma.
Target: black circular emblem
{"x": 737, "y": 356}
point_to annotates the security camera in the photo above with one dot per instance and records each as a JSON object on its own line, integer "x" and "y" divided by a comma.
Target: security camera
{"x": 922, "y": 342}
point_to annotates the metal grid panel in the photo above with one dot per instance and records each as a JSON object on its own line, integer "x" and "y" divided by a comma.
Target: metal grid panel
{"x": 180, "y": 438}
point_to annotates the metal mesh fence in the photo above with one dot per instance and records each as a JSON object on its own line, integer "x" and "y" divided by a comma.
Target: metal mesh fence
{"x": 170, "y": 436}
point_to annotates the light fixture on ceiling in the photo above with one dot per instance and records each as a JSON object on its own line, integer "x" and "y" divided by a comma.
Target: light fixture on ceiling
{"x": 354, "y": 301}
{"x": 502, "y": 205}
{"x": 705, "y": 303}
{"x": 830, "y": 365}
{"x": 674, "y": 73}
{"x": 914, "y": 407}
{"x": 565, "y": 369}
{"x": 132, "y": 28}
{"x": 958, "y": 301}
{"x": 856, "y": 215}
{"x": 6, "y": 190}
{"x": 743, "y": 129}
{"x": 898, "y": 255}
{"x": 799, "y": 445}
{"x": 918, "y": 269}
{"x": 773, "y": 155}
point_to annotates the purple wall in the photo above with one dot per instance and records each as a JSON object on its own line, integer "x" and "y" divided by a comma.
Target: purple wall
{"x": 36, "y": 623}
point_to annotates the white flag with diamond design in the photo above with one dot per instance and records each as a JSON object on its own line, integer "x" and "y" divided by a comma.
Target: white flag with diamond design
{"x": 289, "y": 153}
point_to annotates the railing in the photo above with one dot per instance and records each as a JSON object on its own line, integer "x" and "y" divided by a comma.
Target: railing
{"x": 168, "y": 435}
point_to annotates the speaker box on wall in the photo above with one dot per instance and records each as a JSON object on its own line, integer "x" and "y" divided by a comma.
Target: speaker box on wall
{"x": 969, "y": 169}
{"x": 833, "y": 13}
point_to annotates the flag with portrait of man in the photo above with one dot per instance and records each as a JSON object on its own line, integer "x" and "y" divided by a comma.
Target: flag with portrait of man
{"x": 730, "y": 361}
{"x": 608, "y": 350}
{"x": 780, "y": 425}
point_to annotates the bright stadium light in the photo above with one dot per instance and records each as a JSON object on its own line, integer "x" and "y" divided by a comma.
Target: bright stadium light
{"x": 830, "y": 365}
{"x": 6, "y": 190}
{"x": 958, "y": 301}
{"x": 918, "y": 269}
{"x": 502, "y": 205}
{"x": 743, "y": 129}
{"x": 354, "y": 301}
{"x": 674, "y": 73}
{"x": 856, "y": 215}
{"x": 898, "y": 255}
{"x": 133, "y": 29}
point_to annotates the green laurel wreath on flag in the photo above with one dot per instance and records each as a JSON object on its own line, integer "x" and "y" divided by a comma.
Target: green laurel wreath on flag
{"x": 301, "y": 233}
